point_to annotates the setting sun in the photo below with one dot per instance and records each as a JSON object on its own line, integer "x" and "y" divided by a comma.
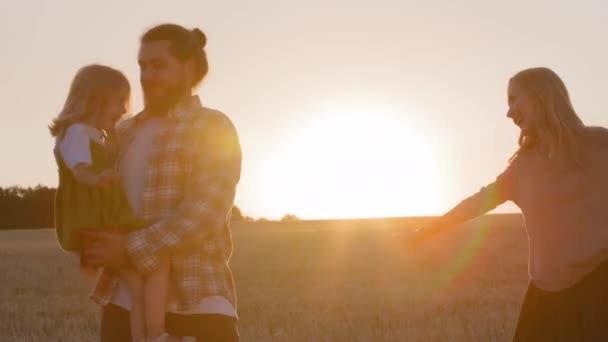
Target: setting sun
{"x": 354, "y": 161}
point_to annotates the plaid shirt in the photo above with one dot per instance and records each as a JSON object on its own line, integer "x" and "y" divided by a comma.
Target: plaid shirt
{"x": 193, "y": 170}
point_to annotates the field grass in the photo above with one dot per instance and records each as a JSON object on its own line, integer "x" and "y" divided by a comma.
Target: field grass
{"x": 306, "y": 281}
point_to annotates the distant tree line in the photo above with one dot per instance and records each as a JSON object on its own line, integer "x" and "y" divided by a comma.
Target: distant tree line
{"x": 33, "y": 207}
{"x": 26, "y": 207}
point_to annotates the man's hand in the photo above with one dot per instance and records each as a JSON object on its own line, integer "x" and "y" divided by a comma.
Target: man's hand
{"x": 106, "y": 249}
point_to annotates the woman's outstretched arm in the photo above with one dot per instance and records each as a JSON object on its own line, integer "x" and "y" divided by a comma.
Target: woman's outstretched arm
{"x": 487, "y": 199}
{"x": 472, "y": 207}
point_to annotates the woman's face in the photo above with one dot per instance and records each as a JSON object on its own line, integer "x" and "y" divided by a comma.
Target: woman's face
{"x": 522, "y": 108}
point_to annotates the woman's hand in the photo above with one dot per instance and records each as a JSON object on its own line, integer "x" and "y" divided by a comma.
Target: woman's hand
{"x": 414, "y": 239}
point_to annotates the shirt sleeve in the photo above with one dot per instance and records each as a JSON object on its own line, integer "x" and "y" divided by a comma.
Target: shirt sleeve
{"x": 208, "y": 199}
{"x": 506, "y": 182}
{"x": 487, "y": 199}
{"x": 75, "y": 147}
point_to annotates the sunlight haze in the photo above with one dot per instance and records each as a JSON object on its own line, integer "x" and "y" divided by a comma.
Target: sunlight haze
{"x": 344, "y": 108}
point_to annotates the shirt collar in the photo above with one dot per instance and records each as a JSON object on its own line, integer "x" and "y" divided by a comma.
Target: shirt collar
{"x": 180, "y": 110}
{"x": 184, "y": 107}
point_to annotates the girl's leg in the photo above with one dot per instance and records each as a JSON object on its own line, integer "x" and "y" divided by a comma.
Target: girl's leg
{"x": 135, "y": 284}
{"x": 156, "y": 291}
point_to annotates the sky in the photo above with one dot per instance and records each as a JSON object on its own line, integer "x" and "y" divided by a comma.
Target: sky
{"x": 343, "y": 108}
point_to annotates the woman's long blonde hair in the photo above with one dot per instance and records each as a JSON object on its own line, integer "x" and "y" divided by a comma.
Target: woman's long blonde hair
{"x": 91, "y": 88}
{"x": 559, "y": 130}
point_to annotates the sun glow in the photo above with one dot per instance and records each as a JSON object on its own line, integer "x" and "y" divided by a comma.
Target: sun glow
{"x": 354, "y": 162}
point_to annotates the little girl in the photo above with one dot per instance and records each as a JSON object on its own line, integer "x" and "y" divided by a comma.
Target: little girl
{"x": 90, "y": 196}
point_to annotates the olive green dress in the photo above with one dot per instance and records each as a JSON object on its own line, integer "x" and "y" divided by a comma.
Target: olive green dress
{"x": 79, "y": 207}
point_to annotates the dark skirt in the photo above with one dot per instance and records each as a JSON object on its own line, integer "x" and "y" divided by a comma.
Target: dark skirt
{"x": 579, "y": 313}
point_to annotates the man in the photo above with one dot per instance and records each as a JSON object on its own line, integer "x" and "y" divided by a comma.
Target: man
{"x": 180, "y": 165}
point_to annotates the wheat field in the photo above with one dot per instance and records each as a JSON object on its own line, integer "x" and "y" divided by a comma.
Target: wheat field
{"x": 306, "y": 281}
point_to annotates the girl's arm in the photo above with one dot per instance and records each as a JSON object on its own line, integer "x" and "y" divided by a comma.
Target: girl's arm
{"x": 84, "y": 175}
{"x": 76, "y": 153}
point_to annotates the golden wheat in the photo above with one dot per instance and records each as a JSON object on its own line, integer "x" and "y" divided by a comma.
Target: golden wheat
{"x": 306, "y": 281}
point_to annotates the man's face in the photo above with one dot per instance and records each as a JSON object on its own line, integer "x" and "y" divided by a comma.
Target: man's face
{"x": 163, "y": 76}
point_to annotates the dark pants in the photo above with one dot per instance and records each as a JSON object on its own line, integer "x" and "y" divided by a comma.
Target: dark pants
{"x": 578, "y": 313}
{"x": 115, "y": 326}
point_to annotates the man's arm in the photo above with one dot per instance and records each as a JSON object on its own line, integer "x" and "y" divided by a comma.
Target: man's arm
{"x": 209, "y": 197}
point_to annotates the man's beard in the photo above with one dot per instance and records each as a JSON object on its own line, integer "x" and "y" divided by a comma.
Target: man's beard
{"x": 162, "y": 104}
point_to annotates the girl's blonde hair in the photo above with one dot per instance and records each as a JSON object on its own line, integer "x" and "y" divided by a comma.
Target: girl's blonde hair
{"x": 559, "y": 130}
{"x": 91, "y": 88}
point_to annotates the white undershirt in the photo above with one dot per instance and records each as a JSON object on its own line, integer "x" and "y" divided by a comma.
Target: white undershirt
{"x": 132, "y": 170}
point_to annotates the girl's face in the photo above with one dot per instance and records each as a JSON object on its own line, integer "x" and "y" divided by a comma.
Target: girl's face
{"x": 522, "y": 109}
{"x": 115, "y": 108}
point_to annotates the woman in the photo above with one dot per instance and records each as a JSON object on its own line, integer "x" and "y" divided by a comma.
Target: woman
{"x": 559, "y": 179}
